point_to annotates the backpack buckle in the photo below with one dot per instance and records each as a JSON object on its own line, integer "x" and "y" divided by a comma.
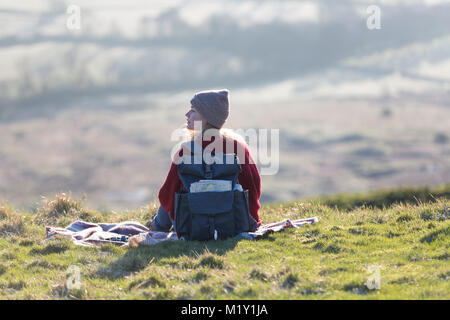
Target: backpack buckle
{"x": 208, "y": 171}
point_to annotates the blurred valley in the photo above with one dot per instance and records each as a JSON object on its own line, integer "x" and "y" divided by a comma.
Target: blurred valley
{"x": 91, "y": 111}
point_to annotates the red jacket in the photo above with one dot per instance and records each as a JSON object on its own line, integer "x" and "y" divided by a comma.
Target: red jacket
{"x": 249, "y": 178}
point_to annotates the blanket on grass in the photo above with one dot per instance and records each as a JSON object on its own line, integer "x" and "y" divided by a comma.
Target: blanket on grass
{"x": 134, "y": 234}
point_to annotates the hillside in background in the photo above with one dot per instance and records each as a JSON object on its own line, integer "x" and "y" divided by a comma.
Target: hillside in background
{"x": 120, "y": 157}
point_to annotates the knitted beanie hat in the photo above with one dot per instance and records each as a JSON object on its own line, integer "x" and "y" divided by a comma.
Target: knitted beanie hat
{"x": 213, "y": 105}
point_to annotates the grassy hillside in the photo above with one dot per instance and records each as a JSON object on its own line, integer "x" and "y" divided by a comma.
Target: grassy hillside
{"x": 407, "y": 244}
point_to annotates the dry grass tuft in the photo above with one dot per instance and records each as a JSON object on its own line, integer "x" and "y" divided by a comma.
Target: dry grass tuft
{"x": 56, "y": 211}
{"x": 13, "y": 225}
{"x": 5, "y": 210}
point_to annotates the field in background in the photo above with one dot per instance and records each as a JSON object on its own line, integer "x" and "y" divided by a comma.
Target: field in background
{"x": 398, "y": 252}
{"x": 120, "y": 156}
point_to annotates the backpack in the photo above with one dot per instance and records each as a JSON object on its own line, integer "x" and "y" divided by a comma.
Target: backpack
{"x": 211, "y": 215}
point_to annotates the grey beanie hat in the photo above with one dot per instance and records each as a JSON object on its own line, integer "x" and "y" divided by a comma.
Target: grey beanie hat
{"x": 213, "y": 105}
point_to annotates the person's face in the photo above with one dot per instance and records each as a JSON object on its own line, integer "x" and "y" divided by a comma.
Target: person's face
{"x": 193, "y": 116}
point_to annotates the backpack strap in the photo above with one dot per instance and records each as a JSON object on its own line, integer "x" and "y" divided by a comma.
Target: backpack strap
{"x": 224, "y": 167}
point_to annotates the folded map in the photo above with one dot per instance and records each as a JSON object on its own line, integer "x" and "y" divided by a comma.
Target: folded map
{"x": 211, "y": 186}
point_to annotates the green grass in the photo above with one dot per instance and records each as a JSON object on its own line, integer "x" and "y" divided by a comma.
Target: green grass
{"x": 384, "y": 198}
{"x": 409, "y": 243}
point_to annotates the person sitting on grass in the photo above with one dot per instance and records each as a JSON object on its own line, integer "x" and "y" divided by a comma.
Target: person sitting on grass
{"x": 208, "y": 113}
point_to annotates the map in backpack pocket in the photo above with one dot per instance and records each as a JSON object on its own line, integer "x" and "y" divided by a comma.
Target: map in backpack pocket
{"x": 210, "y": 186}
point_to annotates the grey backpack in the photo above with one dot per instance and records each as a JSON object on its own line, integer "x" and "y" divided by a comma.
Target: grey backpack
{"x": 211, "y": 215}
